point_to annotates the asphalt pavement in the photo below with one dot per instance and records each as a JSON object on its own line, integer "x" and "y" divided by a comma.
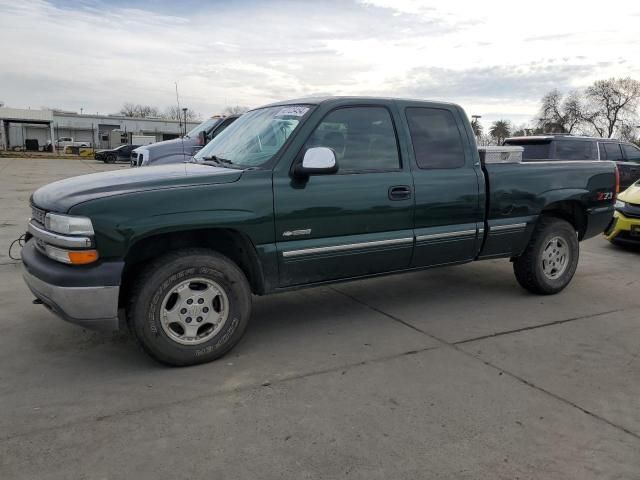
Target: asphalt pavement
{"x": 448, "y": 373}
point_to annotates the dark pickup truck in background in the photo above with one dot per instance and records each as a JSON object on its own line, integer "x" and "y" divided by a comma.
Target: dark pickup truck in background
{"x": 298, "y": 194}
{"x": 572, "y": 147}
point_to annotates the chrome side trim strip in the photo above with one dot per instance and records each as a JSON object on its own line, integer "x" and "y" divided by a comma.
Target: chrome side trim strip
{"x": 58, "y": 240}
{"x": 349, "y": 246}
{"x": 435, "y": 236}
{"x": 513, "y": 226}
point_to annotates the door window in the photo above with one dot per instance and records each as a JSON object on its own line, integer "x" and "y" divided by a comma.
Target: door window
{"x": 631, "y": 153}
{"x": 363, "y": 139}
{"x": 436, "y": 140}
{"x": 611, "y": 151}
{"x": 575, "y": 150}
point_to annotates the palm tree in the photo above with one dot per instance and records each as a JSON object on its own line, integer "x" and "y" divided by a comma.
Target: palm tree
{"x": 477, "y": 127}
{"x": 500, "y": 130}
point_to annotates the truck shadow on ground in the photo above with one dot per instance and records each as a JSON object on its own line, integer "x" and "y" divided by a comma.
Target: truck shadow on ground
{"x": 454, "y": 304}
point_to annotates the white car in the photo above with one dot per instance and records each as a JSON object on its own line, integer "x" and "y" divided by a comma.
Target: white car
{"x": 64, "y": 142}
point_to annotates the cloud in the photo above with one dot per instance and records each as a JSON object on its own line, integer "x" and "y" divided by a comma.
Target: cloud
{"x": 494, "y": 84}
{"x": 97, "y": 55}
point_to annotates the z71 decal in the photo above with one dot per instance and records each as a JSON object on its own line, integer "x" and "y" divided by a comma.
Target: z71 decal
{"x": 602, "y": 196}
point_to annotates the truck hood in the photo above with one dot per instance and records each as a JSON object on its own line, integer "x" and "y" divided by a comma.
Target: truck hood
{"x": 170, "y": 146}
{"x": 60, "y": 196}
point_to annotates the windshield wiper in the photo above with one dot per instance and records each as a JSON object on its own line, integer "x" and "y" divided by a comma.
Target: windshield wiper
{"x": 221, "y": 162}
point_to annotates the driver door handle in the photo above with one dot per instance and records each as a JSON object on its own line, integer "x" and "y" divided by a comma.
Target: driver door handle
{"x": 399, "y": 192}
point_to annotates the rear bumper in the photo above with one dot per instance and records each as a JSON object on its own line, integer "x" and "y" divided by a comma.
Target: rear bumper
{"x": 598, "y": 219}
{"x": 84, "y": 296}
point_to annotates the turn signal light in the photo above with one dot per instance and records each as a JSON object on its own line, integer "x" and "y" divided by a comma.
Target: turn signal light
{"x": 82, "y": 257}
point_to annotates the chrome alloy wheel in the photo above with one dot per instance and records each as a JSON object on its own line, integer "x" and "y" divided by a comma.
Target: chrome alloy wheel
{"x": 555, "y": 258}
{"x": 194, "y": 311}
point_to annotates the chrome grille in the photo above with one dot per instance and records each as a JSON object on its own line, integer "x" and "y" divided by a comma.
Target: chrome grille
{"x": 38, "y": 215}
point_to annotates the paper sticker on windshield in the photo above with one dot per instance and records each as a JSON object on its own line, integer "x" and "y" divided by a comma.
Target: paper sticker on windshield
{"x": 295, "y": 111}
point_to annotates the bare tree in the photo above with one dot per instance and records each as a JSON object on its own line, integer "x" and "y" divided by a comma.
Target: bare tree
{"x": 128, "y": 109}
{"x": 138, "y": 111}
{"x": 235, "y": 110}
{"x": 612, "y": 104}
{"x": 628, "y": 133}
{"x": 560, "y": 114}
{"x": 175, "y": 113}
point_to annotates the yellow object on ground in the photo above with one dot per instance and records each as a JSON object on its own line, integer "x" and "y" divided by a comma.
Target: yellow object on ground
{"x": 87, "y": 152}
{"x": 625, "y": 226}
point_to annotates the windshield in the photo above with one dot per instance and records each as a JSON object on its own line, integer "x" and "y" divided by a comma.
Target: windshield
{"x": 207, "y": 125}
{"x": 255, "y": 137}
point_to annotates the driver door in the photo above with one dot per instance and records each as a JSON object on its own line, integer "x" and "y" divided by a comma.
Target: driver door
{"x": 358, "y": 221}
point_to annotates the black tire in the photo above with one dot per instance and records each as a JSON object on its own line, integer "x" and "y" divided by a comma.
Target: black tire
{"x": 158, "y": 280}
{"x": 111, "y": 158}
{"x": 529, "y": 267}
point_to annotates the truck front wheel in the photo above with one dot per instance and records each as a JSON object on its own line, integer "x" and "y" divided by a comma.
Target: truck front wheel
{"x": 551, "y": 258}
{"x": 189, "y": 306}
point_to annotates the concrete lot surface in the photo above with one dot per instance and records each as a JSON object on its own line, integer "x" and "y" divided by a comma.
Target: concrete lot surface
{"x": 449, "y": 373}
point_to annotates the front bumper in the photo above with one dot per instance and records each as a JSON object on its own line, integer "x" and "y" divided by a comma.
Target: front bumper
{"x": 84, "y": 296}
{"x": 620, "y": 229}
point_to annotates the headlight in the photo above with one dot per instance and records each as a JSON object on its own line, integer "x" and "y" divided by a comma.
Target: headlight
{"x": 620, "y": 204}
{"x": 68, "y": 225}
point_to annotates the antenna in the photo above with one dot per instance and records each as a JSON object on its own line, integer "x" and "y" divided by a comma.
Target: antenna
{"x": 184, "y": 156}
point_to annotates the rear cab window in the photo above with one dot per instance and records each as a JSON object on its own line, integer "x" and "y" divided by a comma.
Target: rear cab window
{"x": 436, "y": 139}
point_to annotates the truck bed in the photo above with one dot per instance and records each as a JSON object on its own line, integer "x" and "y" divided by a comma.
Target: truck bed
{"x": 516, "y": 194}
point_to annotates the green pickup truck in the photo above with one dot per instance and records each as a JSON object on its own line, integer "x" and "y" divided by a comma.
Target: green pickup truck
{"x": 297, "y": 194}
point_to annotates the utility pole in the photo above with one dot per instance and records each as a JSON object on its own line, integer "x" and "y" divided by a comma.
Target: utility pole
{"x": 184, "y": 110}
{"x": 178, "y": 102}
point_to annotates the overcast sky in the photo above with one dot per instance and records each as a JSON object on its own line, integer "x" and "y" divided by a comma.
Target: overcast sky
{"x": 495, "y": 58}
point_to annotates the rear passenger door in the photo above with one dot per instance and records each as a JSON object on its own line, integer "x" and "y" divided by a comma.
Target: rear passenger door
{"x": 358, "y": 221}
{"x": 449, "y": 212}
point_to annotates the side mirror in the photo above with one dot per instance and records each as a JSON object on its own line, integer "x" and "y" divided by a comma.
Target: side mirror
{"x": 202, "y": 138}
{"x": 317, "y": 161}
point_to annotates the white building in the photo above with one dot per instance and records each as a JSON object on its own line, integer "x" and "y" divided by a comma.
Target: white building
{"x": 18, "y": 125}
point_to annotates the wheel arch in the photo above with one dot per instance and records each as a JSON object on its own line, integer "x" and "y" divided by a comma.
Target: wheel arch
{"x": 571, "y": 211}
{"x": 232, "y": 243}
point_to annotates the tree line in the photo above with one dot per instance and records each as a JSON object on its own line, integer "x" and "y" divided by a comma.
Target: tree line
{"x": 137, "y": 110}
{"x": 607, "y": 108}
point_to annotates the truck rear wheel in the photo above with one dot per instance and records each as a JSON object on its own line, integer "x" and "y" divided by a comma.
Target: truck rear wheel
{"x": 551, "y": 258}
{"x": 190, "y": 306}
